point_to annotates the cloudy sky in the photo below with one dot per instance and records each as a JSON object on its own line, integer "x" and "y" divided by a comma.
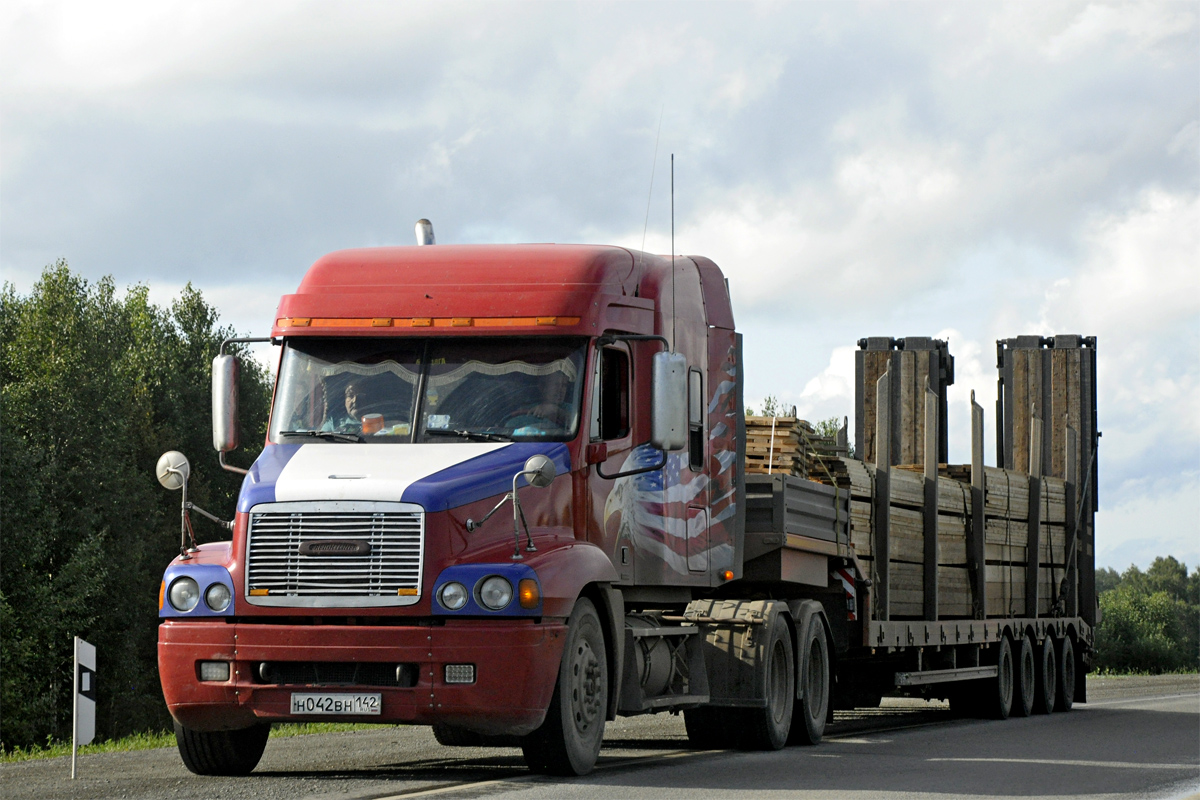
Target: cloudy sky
{"x": 966, "y": 171}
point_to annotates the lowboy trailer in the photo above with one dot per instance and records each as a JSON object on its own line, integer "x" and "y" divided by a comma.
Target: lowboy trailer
{"x": 504, "y": 493}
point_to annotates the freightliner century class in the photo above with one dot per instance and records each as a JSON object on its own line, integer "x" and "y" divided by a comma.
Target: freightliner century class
{"x": 503, "y": 493}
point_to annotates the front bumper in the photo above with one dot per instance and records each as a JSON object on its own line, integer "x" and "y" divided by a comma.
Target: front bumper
{"x": 516, "y": 666}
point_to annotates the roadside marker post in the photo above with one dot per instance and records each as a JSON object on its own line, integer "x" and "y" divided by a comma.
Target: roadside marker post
{"x": 83, "y": 728}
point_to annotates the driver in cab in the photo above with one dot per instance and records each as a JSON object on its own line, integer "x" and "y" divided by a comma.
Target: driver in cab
{"x": 345, "y": 417}
{"x": 554, "y": 411}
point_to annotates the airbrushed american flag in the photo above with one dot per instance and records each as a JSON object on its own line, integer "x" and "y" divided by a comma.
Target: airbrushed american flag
{"x": 679, "y": 517}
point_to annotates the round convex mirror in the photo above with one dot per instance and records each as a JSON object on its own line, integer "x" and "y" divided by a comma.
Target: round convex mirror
{"x": 173, "y": 469}
{"x": 540, "y": 471}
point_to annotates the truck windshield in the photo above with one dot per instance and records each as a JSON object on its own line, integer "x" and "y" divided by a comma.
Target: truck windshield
{"x": 424, "y": 390}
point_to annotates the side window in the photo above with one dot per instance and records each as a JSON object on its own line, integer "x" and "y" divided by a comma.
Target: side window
{"x": 695, "y": 420}
{"x": 610, "y": 418}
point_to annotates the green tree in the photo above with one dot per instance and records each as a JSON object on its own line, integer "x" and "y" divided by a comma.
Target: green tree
{"x": 1107, "y": 578}
{"x": 94, "y": 388}
{"x": 1150, "y": 620}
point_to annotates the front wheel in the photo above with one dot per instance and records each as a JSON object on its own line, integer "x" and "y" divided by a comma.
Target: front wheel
{"x": 568, "y": 742}
{"x": 221, "y": 752}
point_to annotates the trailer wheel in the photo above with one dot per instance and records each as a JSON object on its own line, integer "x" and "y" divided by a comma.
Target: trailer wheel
{"x": 221, "y": 752}
{"x": 808, "y": 719}
{"x": 767, "y": 728}
{"x": 998, "y": 691}
{"x": 1024, "y": 678}
{"x": 1066, "y": 675}
{"x": 1047, "y": 677}
{"x": 568, "y": 742}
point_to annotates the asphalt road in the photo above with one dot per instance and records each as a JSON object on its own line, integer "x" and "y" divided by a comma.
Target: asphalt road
{"x": 1137, "y": 737}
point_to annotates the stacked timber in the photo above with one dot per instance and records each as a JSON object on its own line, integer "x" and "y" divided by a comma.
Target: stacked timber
{"x": 787, "y": 445}
{"x": 775, "y": 445}
{"x": 1006, "y": 536}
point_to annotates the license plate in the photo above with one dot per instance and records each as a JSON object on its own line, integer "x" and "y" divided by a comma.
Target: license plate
{"x": 339, "y": 703}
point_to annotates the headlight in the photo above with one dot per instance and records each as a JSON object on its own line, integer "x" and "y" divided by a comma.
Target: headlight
{"x": 495, "y": 592}
{"x": 184, "y": 594}
{"x": 453, "y": 596}
{"x": 217, "y": 597}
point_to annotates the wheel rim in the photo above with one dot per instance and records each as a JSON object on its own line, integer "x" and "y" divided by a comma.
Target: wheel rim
{"x": 586, "y": 691}
{"x": 1006, "y": 678}
{"x": 1050, "y": 676}
{"x": 1068, "y": 670}
{"x": 1027, "y": 670}
{"x": 778, "y": 681}
{"x": 814, "y": 683}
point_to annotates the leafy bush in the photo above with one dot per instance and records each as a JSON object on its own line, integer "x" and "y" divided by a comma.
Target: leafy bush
{"x": 1150, "y": 620}
{"x": 94, "y": 388}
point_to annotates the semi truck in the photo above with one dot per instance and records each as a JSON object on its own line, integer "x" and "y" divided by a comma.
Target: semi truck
{"x": 504, "y": 492}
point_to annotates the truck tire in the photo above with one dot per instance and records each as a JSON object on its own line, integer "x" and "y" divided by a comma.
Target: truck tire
{"x": 221, "y": 752}
{"x": 998, "y": 691}
{"x": 568, "y": 741}
{"x": 1024, "y": 678}
{"x": 767, "y": 728}
{"x": 1066, "y": 675}
{"x": 808, "y": 718}
{"x": 1047, "y": 677}
{"x": 713, "y": 727}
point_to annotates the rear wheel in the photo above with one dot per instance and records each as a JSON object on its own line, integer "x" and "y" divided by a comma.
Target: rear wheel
{"x": 568, "y": 742}
{"x": 1047, "y": 677}
{"x": 808, "y": 719}
{"x": 221, "y": 752}
{"x": 1024, "y": 678}
{"x": 1066, "y": 675}
{"x": 767, "y": 728}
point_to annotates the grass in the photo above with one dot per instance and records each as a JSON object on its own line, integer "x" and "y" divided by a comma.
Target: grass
{"x": 1105, "y": 672}
{"x": 152, "y": 740}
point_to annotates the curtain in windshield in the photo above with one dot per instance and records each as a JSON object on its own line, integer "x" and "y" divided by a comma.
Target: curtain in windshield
{"x": 361, "y": 387}
{"x": 379, "y": 390}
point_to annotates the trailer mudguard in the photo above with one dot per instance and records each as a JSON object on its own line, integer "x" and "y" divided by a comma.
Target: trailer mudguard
{"x": 733, "y": 647}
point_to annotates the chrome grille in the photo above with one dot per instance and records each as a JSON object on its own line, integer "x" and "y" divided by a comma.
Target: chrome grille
{"x": 279, "y": 572}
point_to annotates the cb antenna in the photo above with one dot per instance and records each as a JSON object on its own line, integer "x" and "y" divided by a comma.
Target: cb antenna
{"x": 673, "y": 252}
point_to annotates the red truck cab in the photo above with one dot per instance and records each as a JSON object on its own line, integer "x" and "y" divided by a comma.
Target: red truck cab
{"x": 379, "y": 568}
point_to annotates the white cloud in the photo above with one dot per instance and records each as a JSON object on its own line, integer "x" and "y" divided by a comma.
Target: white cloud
{"x": 1160, "y": 517}
{"x": 959, "y": 171}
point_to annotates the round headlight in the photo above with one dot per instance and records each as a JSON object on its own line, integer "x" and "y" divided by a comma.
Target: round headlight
{"x": 453, "y": 596}
{"x": 495, "y": 592}
{"x": 183, "y": 594}
{"x": 217, "y": 597}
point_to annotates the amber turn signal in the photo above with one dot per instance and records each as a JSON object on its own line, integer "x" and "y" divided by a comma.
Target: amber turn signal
{"x": 726, "y": 574}
{"x": 527, "y": 591}
{"x": 162, "y": 591}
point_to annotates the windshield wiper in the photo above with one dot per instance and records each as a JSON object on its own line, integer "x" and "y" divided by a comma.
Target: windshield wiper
{"x": 475, "y": 436}
{"x": 329, "y": 436}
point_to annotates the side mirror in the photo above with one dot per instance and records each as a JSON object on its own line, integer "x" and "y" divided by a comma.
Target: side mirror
{"x": 668, "y": 401}
{"x": 225, "y": 369}
{"x": 540, "y": 471}
{"x": 173, "y": 470}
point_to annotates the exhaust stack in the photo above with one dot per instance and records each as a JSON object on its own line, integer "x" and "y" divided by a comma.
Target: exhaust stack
{"x": 425, "y": 232}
